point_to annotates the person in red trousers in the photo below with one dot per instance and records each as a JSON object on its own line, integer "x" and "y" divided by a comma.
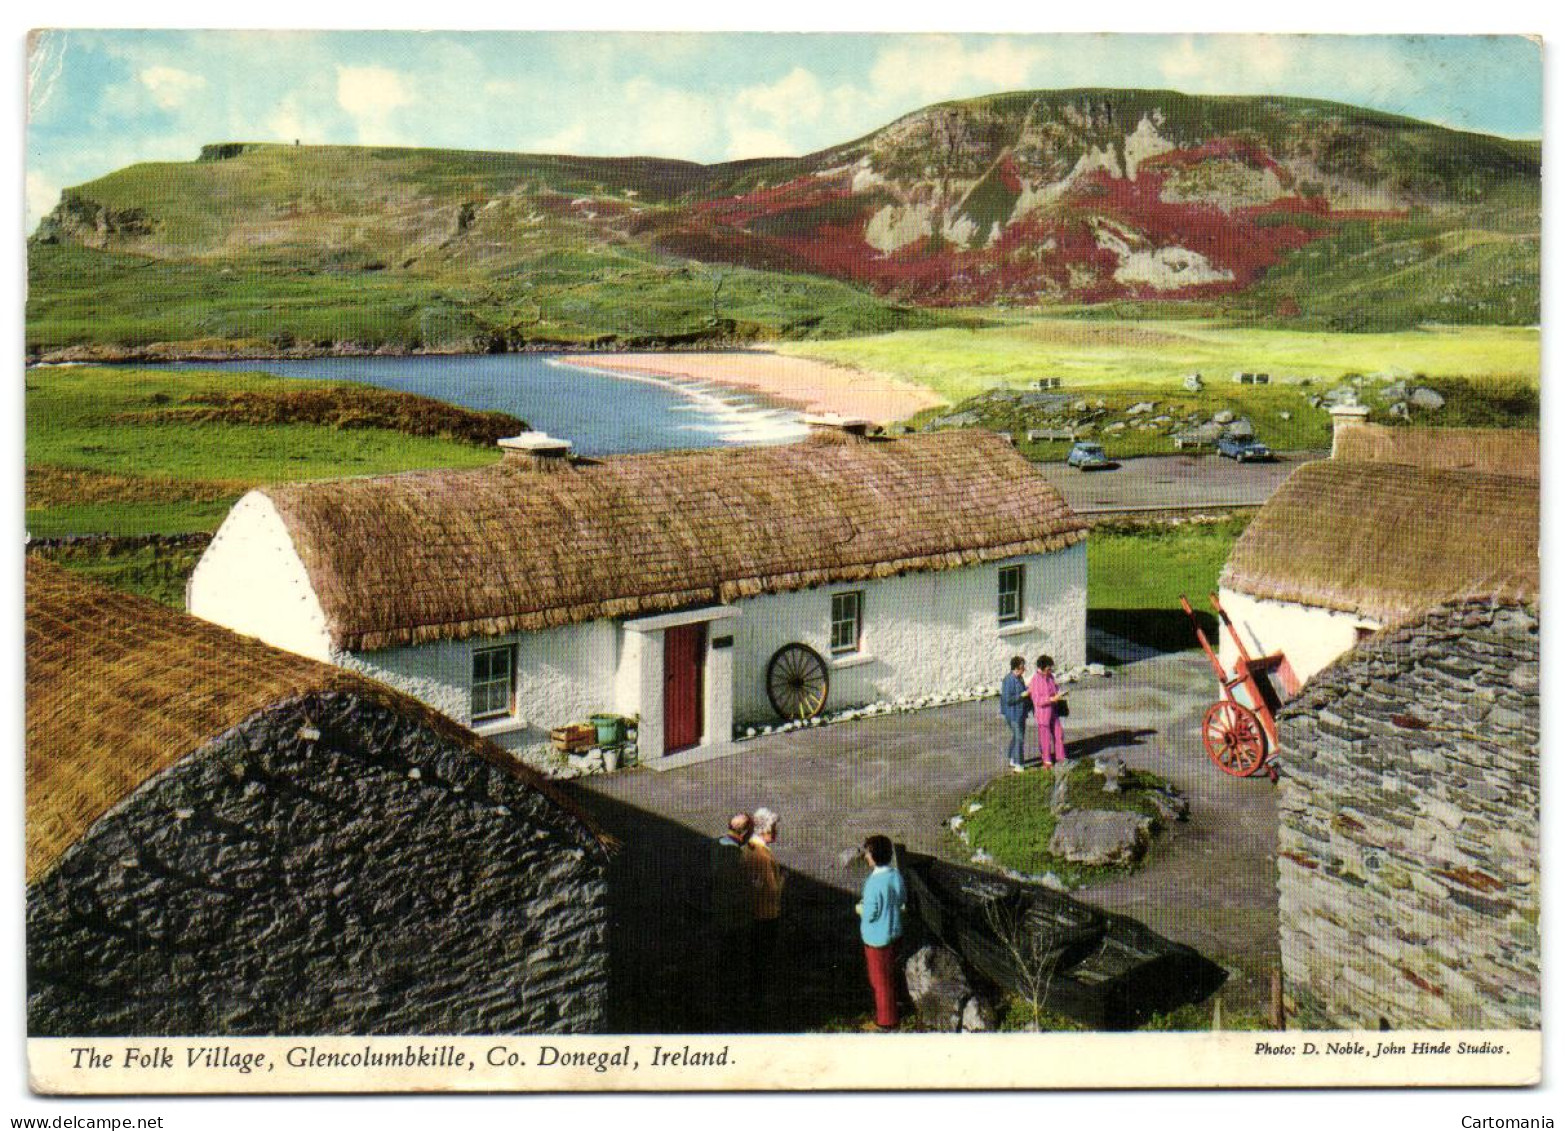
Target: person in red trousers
{"x": 1048, "y": 703}
{"x": 880, "y": 926}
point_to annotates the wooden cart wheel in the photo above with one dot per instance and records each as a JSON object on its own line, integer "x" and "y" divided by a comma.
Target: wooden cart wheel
{"x": 796, "y": 682}
{"x": 1234, "y": 738}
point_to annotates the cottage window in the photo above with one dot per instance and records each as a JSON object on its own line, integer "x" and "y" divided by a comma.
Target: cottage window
{"x": 494, "y": 672}
{"x": 847, "y": 621}
{"x": 1010, "y": 594}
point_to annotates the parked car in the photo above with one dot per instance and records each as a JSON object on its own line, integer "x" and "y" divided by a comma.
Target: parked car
{"x": 1089, "y": 457}
{"x": 1239, "y": 450}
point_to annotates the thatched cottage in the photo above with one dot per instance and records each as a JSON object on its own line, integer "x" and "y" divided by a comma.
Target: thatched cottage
{"x": 1408, "y": 828}
{"x": 224, "y": 838}
{"x": 692, "y": 589}
{"x": 1396, "y": 521}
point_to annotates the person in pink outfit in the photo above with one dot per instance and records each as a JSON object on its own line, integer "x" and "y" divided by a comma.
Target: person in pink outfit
{"x": 1046, "y": 697}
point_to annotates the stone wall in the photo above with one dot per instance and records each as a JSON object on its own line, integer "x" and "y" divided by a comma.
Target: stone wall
{"x": 379, "y": 879}
{"x": 1408, "y": 841}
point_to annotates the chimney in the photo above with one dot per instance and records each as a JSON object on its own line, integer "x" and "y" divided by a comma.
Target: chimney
{"x": 1343, "y": 417}
{"x": 831, "y": 424}
{"x": 538, "y": 451}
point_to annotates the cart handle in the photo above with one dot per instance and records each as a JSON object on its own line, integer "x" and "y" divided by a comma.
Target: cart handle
{"x": 1244, "y": 654}
{"x": 1206, "y": 646}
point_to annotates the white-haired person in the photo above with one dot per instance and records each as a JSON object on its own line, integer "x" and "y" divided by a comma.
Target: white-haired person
{"x": 766, "y": 886}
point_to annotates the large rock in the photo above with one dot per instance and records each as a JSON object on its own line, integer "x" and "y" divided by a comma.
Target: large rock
{"x": 1101, "y": 837}
{"x": 1170, "y": 805}
{"x": 978, "y": 1016}
{"x": 1200, "y": 434}
{"x": 1426, "y": 399}
{"x": 939, "y": 988}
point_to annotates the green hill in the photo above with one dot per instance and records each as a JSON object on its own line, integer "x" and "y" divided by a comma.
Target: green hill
{"x": 1276, "y": 210}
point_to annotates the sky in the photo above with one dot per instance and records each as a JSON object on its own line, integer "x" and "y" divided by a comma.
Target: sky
{"x": 101, "y": 100}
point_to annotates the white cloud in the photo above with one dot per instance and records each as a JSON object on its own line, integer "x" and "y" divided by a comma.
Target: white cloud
{"x": 743, "y": 143}
{"x": 170, "y": 87}
{"x": 42, "y": 195}
{"x": 938, "y": 67}
{"x": 1182, "y": 62}
{"x": 1341, "y": 68}
{"x": 290, "y": 121}
{"x": 567, "y": 141}
{"x": 370, "y": 95}
{"x": 45, "y": 64}
{"x": 797, "y": 94}
{"x": 663, "y": 122}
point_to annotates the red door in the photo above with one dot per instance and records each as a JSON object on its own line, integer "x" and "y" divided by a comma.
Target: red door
{"x": 684, "y": 663}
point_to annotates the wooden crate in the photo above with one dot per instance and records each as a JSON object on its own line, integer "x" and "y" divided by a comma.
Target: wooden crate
{"x": 574, "y": 738}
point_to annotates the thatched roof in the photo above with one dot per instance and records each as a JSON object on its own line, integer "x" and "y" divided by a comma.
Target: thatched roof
{"x": 433, "y": 555}
{"x": 1498, "y": 451}
{"x": 1387, "y": 541}
{"x": 119, "y": 688}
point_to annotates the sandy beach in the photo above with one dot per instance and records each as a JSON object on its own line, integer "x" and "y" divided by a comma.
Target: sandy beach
{"x": 814, "y": 386}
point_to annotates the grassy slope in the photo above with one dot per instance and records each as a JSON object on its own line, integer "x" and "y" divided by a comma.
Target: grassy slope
{"x": 281, "y": 247}
{"x": 73, "y": 422}
{"x": 148, "y": 570}
{"x": 1137, "y": 573}
{"x": 81, "y": 296}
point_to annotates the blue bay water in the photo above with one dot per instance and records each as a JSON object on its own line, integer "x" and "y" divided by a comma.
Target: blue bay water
{"x": 600, "y": 413}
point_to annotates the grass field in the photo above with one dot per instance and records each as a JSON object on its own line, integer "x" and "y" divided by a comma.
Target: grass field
{"x": 148, "y": 569}
{"x": 1136, "y": 574}
{"x": 1154, "y": 354}
{"x": 128, "y": 451}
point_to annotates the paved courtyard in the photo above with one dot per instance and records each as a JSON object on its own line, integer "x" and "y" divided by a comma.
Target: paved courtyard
{"x": 1211, "y": 882}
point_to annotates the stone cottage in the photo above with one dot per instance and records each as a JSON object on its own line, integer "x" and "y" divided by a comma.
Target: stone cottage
{"x": 1397, "y": 520}
{"x": 1409, "y": 836}
{"x": 224, "y": 838}
{"x": 695, "y": 590}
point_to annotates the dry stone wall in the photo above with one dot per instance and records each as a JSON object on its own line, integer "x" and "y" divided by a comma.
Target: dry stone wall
{"x": 1408, "y": 841}
{"x": 378, "y": 879}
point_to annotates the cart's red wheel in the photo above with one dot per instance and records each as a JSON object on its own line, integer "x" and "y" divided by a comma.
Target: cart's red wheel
{"x": 1234, "y": 738}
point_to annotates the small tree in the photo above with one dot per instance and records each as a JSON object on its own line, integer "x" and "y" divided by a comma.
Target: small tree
{"x": 1033, "y": 957}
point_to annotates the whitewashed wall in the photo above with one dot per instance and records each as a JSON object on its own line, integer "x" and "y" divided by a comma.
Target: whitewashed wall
{"x": 250, "y": 579}
{"x": 923, "y": 633}
{"x": 562, "y": 676}
{"x": 1310, "y": 638}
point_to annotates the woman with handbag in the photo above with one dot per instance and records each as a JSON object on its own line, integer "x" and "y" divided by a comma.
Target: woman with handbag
{"x": 1049, "y": 706}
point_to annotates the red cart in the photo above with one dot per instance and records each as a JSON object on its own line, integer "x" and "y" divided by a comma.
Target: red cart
{"x": 1240, "y": 729}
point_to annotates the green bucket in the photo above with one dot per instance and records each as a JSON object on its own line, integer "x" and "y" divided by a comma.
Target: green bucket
{"x": 611, "y": 728}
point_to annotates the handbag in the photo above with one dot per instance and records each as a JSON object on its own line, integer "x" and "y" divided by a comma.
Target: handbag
{"x": 1062, "y": 708}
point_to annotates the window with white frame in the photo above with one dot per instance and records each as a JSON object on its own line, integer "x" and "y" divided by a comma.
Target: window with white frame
{"x": 1011, "y": 609}
{"x": 494, "y": 677}
{"x": 847, "y": 621}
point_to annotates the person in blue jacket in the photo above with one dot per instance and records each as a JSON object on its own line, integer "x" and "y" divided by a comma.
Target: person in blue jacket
{"x": 1015, "y": 704}
{"x": 880, "y": 926}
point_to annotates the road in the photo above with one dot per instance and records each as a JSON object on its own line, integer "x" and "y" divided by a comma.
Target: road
{"x": 1175, "y": 482}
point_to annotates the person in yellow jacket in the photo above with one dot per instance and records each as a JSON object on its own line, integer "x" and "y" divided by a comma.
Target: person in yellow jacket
{"x": 766, "y": 885}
